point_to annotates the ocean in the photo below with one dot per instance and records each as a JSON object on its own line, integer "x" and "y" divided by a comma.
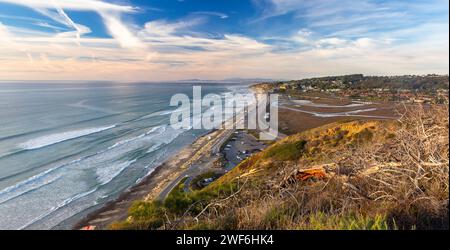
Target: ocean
{"x": 68, "y": 148}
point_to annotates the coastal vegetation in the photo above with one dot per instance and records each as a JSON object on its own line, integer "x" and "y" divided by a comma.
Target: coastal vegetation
{"x": 414, "y": 88}
{"x": 430, "y": 83}
{"x": 371, "y": 175}
{"x": 167, "y": 214}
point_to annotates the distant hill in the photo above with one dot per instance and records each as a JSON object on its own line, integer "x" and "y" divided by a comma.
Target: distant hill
{"x": 359, "y": 81}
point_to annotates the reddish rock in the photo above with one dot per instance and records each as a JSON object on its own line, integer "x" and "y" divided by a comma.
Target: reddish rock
{"x": 316, "y": 174}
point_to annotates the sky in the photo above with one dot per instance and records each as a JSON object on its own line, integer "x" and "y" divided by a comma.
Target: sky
{"x": 163, "y": 40}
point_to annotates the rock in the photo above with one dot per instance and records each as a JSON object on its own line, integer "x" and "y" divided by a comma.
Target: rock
{"x": 317, "y": 174}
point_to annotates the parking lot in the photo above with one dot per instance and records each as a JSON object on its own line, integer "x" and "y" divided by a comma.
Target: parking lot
{"x": 240, "y": 146}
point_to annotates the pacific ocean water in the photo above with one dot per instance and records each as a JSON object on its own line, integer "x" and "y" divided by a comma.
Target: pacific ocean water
{"x": 68, "y": 148}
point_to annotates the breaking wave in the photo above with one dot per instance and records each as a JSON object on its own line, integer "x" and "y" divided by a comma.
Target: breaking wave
{"x": 48, "y": 140}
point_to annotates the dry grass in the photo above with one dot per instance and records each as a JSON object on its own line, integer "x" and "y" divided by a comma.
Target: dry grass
{"x": 378, "y": 176}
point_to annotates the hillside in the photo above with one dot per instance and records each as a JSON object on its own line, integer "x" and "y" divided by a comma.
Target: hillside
{"x": 430, "y": 83}
{"x": 347, "y": 175}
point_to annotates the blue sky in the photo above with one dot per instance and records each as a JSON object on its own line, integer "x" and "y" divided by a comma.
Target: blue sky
{"x": 214, "y": 39}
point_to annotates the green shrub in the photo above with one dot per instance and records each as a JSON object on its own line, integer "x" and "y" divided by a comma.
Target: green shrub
{"x": 145, "y": 215}
{"x": 179, "y": 202}
{"x": 322, "y": 221}
{"x": 364, "y": 136}
{"x": 288, "y": 151}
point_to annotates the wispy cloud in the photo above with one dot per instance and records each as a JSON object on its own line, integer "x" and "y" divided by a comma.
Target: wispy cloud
{"x": 82, "y": 5}
{"x": 333, "y": 16}
{"x": 110, "y": 13}
{"x": 211, "y": 13}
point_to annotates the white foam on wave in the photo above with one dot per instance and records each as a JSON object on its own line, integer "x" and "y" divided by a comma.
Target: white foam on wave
{"x": 126, "y": 141}
{"x": 120, "y": 143}
{"x": 166, "y": 138}
{"x": 162, "y": 129}
{"x": 35, "y": 182}
{"x": 154, "y": 148}
{"x": 161, "y": 113}
{"x": 51, "y": 139}
{"x": 99, "y": 162}
{"x": 143, "y": 177}
{"x": 45, "y": 178}
{"x": 107, "y": 174}
{"x": 58, "y": 206}
{"x": 26, "y": 186}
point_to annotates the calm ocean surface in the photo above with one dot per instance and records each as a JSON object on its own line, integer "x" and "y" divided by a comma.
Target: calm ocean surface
{"x": 66, "y": 149}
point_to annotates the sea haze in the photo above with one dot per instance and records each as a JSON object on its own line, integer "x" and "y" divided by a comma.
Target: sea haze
{"x": 66, "y": 149}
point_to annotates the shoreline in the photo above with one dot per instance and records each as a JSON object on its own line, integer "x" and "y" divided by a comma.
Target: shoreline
{"x": 152, "y": 185}
{"x": 158, "y": 183}
{"x": 126, "y": 195}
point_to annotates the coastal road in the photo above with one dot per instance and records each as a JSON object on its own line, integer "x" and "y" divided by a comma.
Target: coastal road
{"x": 190, "y": 173}
{"x": 163, "y": 195}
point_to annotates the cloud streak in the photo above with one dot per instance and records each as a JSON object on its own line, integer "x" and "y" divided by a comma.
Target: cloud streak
{"x": 110, "y": 13}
